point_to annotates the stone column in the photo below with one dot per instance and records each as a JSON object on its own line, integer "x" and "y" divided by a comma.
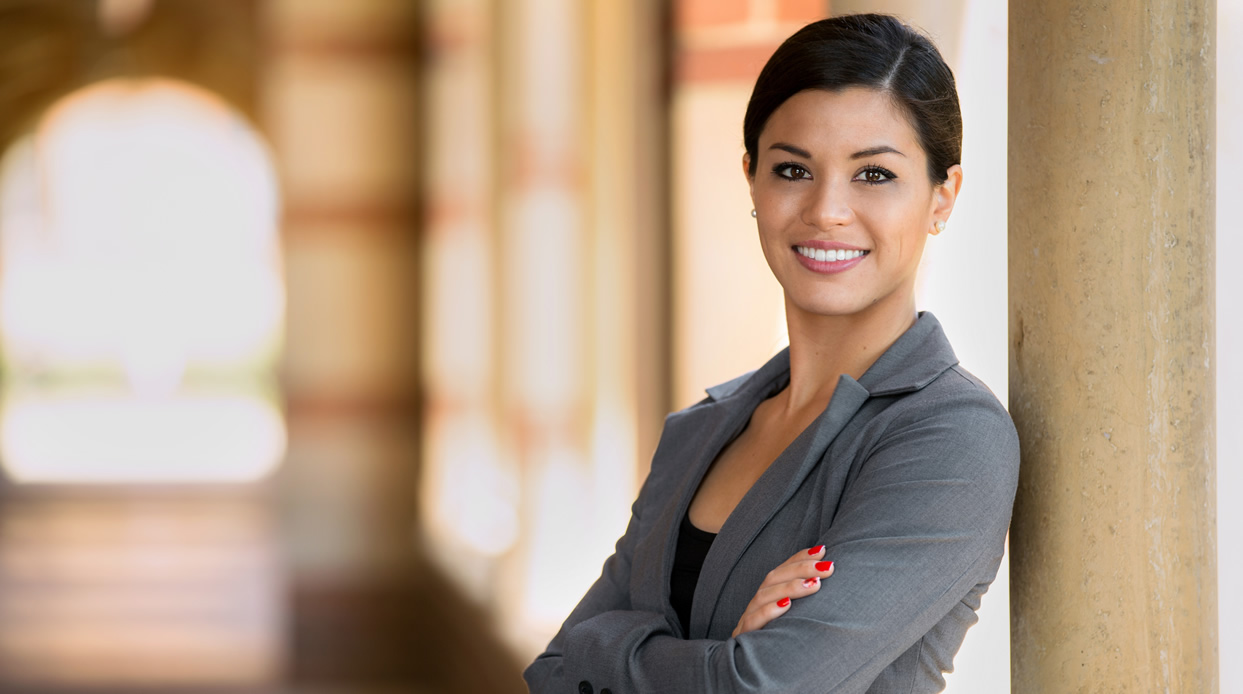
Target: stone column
{"x": 1111, "y": 244}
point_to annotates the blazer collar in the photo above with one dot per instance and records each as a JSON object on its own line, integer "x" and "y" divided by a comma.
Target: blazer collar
{"x": 913, "y": 361}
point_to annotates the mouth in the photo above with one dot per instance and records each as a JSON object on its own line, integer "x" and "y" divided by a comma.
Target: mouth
{"x": 829, "y": 260}
{"x": 829, "y": 255}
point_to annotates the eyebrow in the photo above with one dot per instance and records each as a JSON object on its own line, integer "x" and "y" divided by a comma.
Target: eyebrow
{"x": 861, "y": 154}
{"x": 797, "y": 151}
{"x": 873, "y": 151}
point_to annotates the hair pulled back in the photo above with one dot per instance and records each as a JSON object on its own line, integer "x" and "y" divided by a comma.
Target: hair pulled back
{"x": 865, "y": 50}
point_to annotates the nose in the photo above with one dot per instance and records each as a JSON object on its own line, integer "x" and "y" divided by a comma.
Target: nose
{"x": 828, "y": 205}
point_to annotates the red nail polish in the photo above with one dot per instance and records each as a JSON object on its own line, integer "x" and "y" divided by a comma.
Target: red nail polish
{"x": 824, "y": 565}
{"x": 783, "y": 602}
{"x": 815, "y": 550}
{"x": 809, "y": 582}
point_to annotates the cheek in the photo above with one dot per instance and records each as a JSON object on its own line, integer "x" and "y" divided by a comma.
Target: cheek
{"x": 774, "y": 216}
{"x": 904, "y": 225}
{"x": 771, "y": 244}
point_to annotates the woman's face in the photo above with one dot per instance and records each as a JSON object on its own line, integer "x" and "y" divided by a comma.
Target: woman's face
{"x": 843, "y": 201}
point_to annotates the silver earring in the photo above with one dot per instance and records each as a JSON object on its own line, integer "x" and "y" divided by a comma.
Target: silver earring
{"x": 940, "y": 227}
{"x": 753, "y": 213}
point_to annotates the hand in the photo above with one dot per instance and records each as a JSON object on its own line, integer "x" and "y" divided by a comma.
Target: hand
{"x": 798, "y": 577}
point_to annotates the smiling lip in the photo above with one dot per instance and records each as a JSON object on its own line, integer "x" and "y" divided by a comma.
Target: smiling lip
{"x": 829, "y": 251}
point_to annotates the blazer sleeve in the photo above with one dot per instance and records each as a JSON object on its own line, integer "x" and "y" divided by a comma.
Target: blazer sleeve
{"x": 921, "y": 524}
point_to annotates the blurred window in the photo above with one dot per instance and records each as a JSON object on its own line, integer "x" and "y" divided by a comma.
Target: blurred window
{"x": 141, "y": 292}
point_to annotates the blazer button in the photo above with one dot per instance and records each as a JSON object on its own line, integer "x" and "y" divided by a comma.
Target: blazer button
{"x": 606, "y": 690}
{"x": 584, "y": 687}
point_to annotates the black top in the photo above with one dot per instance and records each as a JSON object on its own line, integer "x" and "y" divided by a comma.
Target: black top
{"x": 693, "y": 546}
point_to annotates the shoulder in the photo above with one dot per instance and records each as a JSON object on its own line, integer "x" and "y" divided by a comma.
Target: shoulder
{"x": 955, "y": 422}
{"x": 958, "y": 396}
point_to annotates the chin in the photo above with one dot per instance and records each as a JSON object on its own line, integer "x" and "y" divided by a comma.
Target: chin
{"x": 830, "y": 306}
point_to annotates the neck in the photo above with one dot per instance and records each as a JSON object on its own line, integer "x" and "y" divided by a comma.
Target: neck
{"x": 822, "y": 348}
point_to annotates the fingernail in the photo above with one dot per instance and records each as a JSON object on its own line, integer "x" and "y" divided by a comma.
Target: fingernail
{"x": 809, "y": 582}
{"x": 824, "y": 565}
{"x": 783, "y": 602}
{"x": 815, "y": 550}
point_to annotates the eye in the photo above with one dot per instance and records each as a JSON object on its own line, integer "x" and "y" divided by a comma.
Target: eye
{"x": 875, "y": 175}
{"x": 792, "y": 172}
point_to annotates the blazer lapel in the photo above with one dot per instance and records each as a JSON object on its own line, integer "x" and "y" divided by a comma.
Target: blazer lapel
{"x": 768, "y": 495}
{"x": 695, "y": 437}
{"x": 690, "y": 442}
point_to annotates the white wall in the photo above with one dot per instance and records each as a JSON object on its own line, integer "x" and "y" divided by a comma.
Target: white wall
{"x": 1229, "y": 343}
{"x": 964, "y": 284}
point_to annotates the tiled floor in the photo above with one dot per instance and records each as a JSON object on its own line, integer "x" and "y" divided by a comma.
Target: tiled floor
{"x": 136, "y": 592}
{"x": 158, "y": 594}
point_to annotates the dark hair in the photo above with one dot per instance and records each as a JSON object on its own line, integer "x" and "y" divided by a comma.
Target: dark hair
{"x": 865, "y": 50}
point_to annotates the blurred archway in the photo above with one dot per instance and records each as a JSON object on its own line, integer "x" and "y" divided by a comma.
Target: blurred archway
{"x": 141, "y": 297}
{"x": 141, "y": 312}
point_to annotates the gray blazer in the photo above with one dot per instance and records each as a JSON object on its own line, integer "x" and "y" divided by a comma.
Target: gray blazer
{"x": 907, "y": 478}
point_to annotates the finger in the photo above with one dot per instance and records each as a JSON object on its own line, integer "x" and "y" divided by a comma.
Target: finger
{"x": 757, "y": 618}
{"x": 799, "y": 587}
{"x": 760, "y": 612}
{"x": 824, "y": 568}
{"x": 805, "y": 568}
{"x": 803, "y": 554}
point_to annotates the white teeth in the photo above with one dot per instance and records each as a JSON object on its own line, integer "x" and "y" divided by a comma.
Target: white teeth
{"x": 822, "y": 255}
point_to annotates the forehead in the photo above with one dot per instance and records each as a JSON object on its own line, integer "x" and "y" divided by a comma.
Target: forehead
{"x": 850, "y": 119}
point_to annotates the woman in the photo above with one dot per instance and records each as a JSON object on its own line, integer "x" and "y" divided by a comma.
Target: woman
{"x": 829, "y": 522}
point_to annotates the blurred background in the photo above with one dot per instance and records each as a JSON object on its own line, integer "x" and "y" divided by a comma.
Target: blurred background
{"x": 335, "y": 336}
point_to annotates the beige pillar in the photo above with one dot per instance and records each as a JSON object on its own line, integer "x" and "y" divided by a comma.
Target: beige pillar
{"x": 339, "y": 96}
{"x": 544, "y": 301}
{"x": 1113, "y": 549}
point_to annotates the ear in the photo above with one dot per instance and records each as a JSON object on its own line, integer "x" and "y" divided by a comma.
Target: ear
{"x": 944, "y": 195}
{"x": 746, "y": 172}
